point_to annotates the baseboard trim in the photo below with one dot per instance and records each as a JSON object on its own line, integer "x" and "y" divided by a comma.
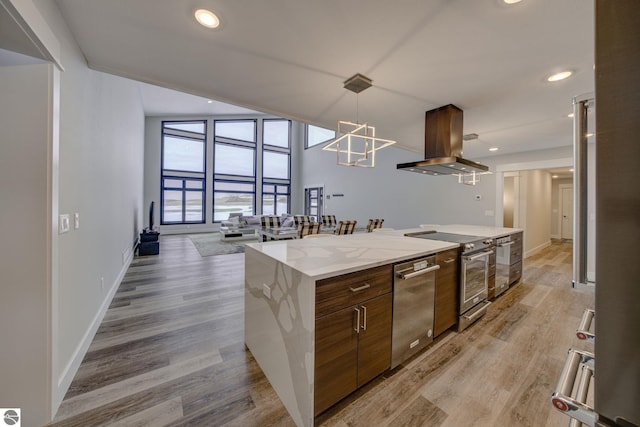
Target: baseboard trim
{"x": 70, "y": 370}
{"x": 537, "y": 249}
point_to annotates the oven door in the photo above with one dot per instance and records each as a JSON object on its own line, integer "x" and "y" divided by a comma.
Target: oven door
{"x": 475, "y": 275}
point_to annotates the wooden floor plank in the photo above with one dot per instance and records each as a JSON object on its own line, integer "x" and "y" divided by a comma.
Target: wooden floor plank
{"x": 170, "y": 351}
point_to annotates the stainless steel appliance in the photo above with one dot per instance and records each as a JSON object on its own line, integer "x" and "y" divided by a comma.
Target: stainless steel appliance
{"x": 474, "y": 273}
{"x": 413, "y": 307}
{"x": 503, "y": 263}
{"x": 443, "y": 145}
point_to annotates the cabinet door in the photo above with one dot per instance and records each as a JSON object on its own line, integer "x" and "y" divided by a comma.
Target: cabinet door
{"x": 446, "y": 305}
{"x": 374, "y": 341}
{"x": 336, "y": 356}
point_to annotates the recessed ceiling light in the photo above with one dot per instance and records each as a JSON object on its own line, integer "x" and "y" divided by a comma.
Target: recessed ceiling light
{"x": 493, "y": 149}
{"x": 570, "y": 115}
{"x": 589, "y": 135}
{"x": 206, "y": 18}
{"x": 209, "y": 102}
{"x": 554, "y": 176}
{"x": 559, "y": 76}
{"x": 570, "y": 170}
{"x": 512, "y": 1}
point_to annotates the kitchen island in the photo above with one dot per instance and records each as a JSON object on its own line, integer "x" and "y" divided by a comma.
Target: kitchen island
{"x": 280, "y": 300}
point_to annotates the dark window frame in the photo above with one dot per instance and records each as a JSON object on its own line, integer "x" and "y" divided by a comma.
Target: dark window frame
{"x": 184, "y": 189}
{"x": 183, "y": 175}
{"x": 243, "y": 179}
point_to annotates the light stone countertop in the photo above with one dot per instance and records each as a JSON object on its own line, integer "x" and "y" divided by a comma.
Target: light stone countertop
{"x": 462, "y": 229}
{"x": 330, "y": 256}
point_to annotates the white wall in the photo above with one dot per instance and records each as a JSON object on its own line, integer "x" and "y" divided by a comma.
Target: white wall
{"x": 403, "y": 199}
{"x": 25, "y": 227}
{"x": 535, "y": 205}
{"x": 101, "y": 178}
{"x": 98, "y": 174}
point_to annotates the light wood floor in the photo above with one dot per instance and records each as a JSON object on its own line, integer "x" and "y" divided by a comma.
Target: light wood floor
{"x": 170, "y": 352}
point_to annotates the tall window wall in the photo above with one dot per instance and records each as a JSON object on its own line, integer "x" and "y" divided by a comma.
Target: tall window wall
{"x": 234, "y": 171}
{"x": 183, "y": 172}
{"x": 276, "y": 167}
{"x": 247, "y": 169}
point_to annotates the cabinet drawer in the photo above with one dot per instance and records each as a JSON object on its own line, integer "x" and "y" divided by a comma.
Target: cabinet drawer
{"x": 448, "y": 261}
{"x": 515, "y": 272}
{"x": 349, "y": 289}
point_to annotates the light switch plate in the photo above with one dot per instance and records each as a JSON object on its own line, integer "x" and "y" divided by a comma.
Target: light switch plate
{"x": 63, "y": 226}
{"x": 76, "y": 220}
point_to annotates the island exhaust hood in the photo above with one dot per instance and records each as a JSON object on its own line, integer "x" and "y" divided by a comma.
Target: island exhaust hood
{"x": 443, "y": 145}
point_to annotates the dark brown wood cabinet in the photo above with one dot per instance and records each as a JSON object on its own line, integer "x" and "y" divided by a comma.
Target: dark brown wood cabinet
{"x": 446, "y": 304}
{"x": 515, "y": 258}
{"x": 352, "y": 333}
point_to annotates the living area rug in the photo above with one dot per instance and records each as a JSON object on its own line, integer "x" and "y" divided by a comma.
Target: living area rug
{"x": 210, "y": 244}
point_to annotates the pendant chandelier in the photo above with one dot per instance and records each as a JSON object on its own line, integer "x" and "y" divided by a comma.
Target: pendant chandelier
{"x": 357, "y": 143}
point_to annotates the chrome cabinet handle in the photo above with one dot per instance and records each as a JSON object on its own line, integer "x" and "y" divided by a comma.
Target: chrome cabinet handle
{"x": 364, "y": 318}
{"x": 360, "y": 288}
{"x": 419, "y": 272}
{"x": 501, "y": 245}
{"x": 357, "y": 311}
{"x": 449, "y": 261}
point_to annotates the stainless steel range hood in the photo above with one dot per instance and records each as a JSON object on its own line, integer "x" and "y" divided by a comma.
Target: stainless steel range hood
{"x": 443, "y": 145}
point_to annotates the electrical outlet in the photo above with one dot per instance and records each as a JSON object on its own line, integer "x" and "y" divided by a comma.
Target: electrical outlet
{"x": 102, "y": 282}
{"x": 76, "y": 220}
{"x": 266, "y": 290}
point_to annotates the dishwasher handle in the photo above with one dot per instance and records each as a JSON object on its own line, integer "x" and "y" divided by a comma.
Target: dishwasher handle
{"x": 404, "y": 276}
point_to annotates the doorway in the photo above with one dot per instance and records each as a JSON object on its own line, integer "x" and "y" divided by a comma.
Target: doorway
{"x": 566, "y": 212}
{"x": 313, "y": 205}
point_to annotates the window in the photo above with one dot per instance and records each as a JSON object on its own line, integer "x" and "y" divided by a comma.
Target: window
{"x": 229, "y": 196}
{"x": 316, "y": 135}
{"x": 248, "y": 169}
{"x": 183, "y": 172}
{"x": 276, "y": 133}
{"x": 275, "y": 199}
{"x": 182, "y": 200}
{"x": 276, "y": 167}
{"x": 234, "y": 173}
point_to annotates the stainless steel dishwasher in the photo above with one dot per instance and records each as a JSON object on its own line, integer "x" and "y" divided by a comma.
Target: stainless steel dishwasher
{"x": 414, "y": 287}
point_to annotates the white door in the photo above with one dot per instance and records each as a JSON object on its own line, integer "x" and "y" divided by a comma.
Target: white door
{"x": 566, "y": 203}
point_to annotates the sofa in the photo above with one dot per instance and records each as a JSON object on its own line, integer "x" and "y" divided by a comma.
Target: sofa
{"x": 237, "y": 221}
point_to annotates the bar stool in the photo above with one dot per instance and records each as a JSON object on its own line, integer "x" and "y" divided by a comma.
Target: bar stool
{"x": 308, "y": 228}
{"x": 346, "y": 227}
{"x": 373, "y": 224}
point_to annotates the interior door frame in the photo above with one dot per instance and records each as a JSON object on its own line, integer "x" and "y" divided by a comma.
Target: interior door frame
{"x": 320, "y": 189}
{"x": 562, "y": 187}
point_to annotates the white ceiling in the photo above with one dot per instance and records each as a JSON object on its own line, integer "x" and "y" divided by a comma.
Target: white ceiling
{"x": 290, "y": 58}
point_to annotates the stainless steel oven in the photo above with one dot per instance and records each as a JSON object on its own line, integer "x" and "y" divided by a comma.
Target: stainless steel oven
{"x": 475, "y": 276}
{"x": 474, "y": 273}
